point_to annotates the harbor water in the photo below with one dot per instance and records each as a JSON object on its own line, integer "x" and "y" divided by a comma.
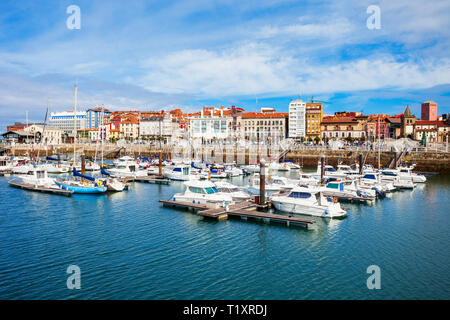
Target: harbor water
{"x": 128, "y": 246}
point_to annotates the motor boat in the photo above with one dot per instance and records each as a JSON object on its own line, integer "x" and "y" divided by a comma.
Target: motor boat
{"x": 38, "y": 177}
{"x": 293, "y": 166}
{"x": 269, "y": 188}
{"x": 373, "y": 180}
{"x": 232, "y": 171}
{"x": 284, "y": 183}
{"x": 215, "y": 172}
{"x": 127, "y": 169}
{"x": 181, "y": 173}
{"x": 251, "y": 168}
{"x": 54, "y": 167}
{"x": 399, "y": 181}
{"x": 337, "y": 189}
{"x": 22, "y": 168}
{"x": 234, "y": 191}
{"x": 202, "y": 192}
{"x": 407, "y": 172}
{"x": 308, "y": 201}
{"x": 276, "y": 166}
{"x": 112, "y": 184}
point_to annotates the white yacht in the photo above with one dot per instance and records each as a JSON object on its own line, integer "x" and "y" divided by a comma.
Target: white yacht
{"x": 22, "y": 168}
{"x": 373, "y": 180}
{"x": 284, "y": 183}
{"x": 308, "y": 201}
{"x": 252, "y": 168}
{"x": 276, "y": 166}
{"x": 54, "y": 167}
{"x": 181, "y": 173}
{"x": 337, "y": 189}
{"x": 234, "y": 191}
{"x": 399, "y": 181}
{"x": 202, "y": 192}
{"x": 407, "y": 172}
{"x": 233, "y": 171}
{"x": 38, "y": 177}
{"x": 127, "y": 169}
{"x": 214, "y": 171}
{"x": 269, "y": 188}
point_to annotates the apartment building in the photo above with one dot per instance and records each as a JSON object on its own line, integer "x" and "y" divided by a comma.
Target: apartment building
{"x": 297, "y": 119}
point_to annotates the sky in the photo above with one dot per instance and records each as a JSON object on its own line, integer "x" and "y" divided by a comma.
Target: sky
{"x": 153, "y": 55}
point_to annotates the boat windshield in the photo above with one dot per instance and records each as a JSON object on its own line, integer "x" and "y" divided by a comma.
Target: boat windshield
{"x": 211, "y": 190}
{"x": 303, "y": 195}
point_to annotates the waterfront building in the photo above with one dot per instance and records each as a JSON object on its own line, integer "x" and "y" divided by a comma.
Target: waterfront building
{"x": 95, "y": 134}
{"x": 429, "y": 111}
{"x": 45, "y": 133}
{"x": 314, "y": 116}
{"x": 408, "y": 120}
{"x": 394, "y": 127}
{"x": 94, "y": 117}
{"x": 65, "y": 120}
{"x": 262, "y": 125}
{"x": 129, "y": 128}
{"x": 215, "y": 123}
{"x": 377, "y": 126}
{"x": 19, "y": 136}
{"x": 339, "y": 127}
{"x": 156, "y": 126}
{"x": 297, "y": 119}
{"x": 434, "y": 131}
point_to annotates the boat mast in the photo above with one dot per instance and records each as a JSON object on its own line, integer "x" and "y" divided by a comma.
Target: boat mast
{"x": 75, "y": 128}
{"x": 101, "y": 124}
{"x": 379, "y": 147}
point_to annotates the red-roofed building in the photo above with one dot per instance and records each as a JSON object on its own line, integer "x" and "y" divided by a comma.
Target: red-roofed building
{"x": 341, "y": 127}
{"x": 259, "y": 125}
{"x": 216, "y": 123}
{"x": 435, "y": 131}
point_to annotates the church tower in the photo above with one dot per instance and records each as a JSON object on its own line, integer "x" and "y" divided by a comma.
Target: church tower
{"x": 408, "y": 120}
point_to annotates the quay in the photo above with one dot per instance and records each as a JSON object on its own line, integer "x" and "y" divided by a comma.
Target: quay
{"x": 32, "y": 187}
{"x": 244, "y": 210}
{"x": 148, "y": 179}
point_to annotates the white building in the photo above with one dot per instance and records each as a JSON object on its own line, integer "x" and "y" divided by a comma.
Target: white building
{"x": 211, "y": 124}
{"x": 297, "y": 119}
{"x": 156, "y": 126}
{"x": 65, "y": 120}
{"x": 47, "y": 135}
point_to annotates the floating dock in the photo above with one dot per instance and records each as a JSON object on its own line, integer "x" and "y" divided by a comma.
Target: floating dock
{"x": 149, "y": 179}
{"x": 32, "y": 187}
{"x": 244, "y": 210}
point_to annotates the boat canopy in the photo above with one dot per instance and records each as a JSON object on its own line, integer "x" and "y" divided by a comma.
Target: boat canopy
{"x": 51, "y": 159}
{"x": 77, "y": 174}
{"x": 104, "y": 172}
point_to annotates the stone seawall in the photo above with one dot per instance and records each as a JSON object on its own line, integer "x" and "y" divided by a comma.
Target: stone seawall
{"x": 438, "y": 162}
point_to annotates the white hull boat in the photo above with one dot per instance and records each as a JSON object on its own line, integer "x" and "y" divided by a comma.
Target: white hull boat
{"x": 308, "y": 201}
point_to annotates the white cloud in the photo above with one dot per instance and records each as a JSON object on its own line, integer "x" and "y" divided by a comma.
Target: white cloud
{"x": 247, "y": 69}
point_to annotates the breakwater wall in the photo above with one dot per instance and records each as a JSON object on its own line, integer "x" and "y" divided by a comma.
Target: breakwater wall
{"x": 431, "y": 161}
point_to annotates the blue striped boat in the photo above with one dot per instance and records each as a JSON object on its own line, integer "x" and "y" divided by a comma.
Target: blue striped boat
{"x": 82, "y": 189}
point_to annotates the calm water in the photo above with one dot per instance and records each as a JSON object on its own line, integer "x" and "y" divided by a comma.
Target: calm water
{"x": 129, "y": 247}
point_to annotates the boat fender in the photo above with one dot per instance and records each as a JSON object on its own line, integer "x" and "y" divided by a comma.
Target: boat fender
{"x": 335, "y": 200}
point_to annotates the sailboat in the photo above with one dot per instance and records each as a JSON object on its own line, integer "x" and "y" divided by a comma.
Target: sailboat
{"x": 86, "y": 184}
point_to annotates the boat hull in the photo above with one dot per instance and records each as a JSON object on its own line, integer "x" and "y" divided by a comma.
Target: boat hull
{"x": 84, "y": 190}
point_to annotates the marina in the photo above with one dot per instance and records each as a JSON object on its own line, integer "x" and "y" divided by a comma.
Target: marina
{"x": 112, "y": 229}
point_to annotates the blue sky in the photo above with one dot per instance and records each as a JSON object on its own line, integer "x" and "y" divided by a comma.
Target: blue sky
{"x": 151, "y": 55}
